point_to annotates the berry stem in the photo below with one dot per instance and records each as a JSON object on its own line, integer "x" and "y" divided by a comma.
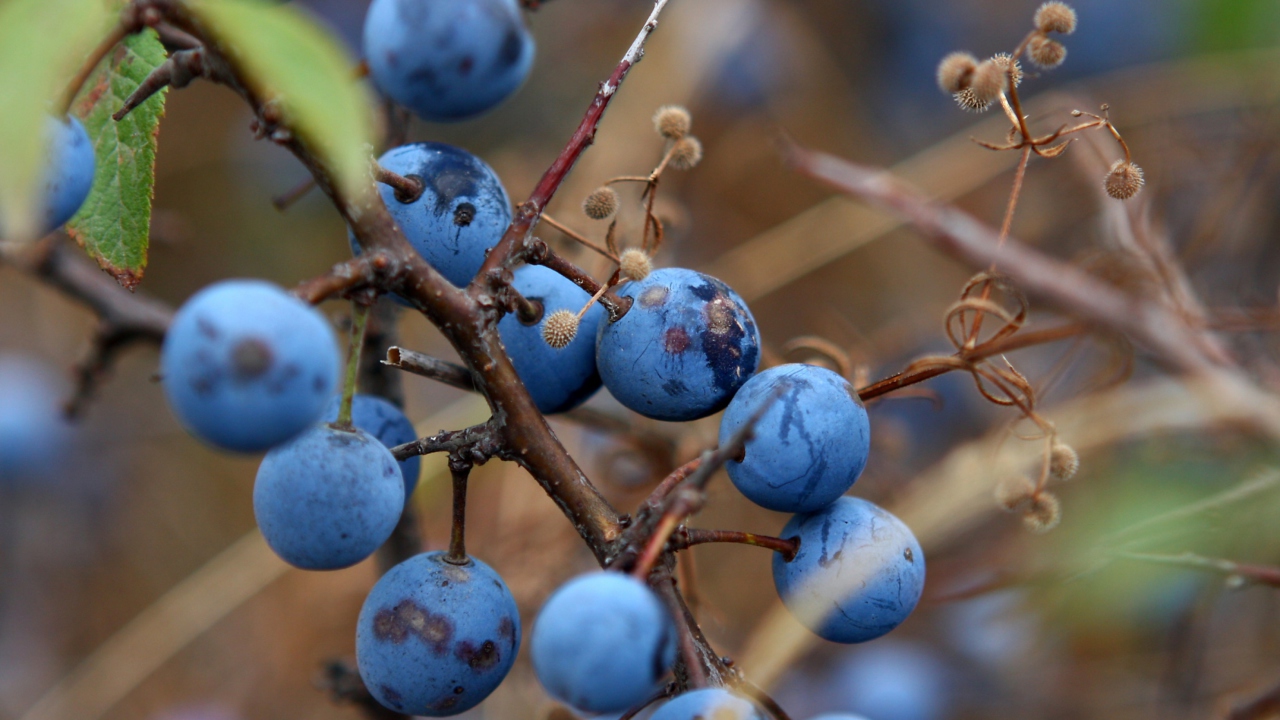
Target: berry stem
{"x": 359, "y": 321}
{"x": 408, "y": 188}
{"x": 461, "y": 471}
{"x": 695, "y": 536}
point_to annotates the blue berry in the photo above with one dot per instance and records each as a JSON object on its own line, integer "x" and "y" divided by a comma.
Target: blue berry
{"x": 462, "y": 212}
{"x": 859, "y": 572}
{"x": 683, "y": 349}
{"x": 708, "y": 704}
{"x": 68, "y": 177}
{"x": 447, "y": 60}
{"x": 435, "y": 638}
{"x": 895, "y": 680}
{"x": 328, "y": 499}
{"x": 602, "y": 642}
{"x": 32, "y": 429}
{"x": 810, "y": 445}
{"x": 558, "y": 380}
{"x": 246, "y": 366}
{"x": 388, "y": 424}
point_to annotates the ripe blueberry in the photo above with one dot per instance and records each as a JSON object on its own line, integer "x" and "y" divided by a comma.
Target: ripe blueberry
{"x": 683, "y": 349}
{"x": 32, "y": 429}
{"x": 602, "y": 642}
{"x": 328, "y": 499}
{"x": 809, "y": 446}
{"x": 462, "y": 211}
{"x": 447, "y": 60}
{"x": 388, "y": 424}
{"x": 558, "y": 380}
{"x": 708, "y": 704}
{"x": 435, "y": 638}
{"x": 859, "y": 572}
{"x": 246, "y": 366}
{"x": 68, "y": 176}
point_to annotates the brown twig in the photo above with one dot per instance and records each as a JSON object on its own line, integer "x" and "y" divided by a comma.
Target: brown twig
{"x": 962, "y": 236}
{"x": 528, "y": 212}
{"x": 286, "y": 199}
{"x": 407, "y": 188}
{"x": 430, "y": 367}
{"x": 540, "y": 254}
{"x": 966, "y": 358}
{"x": 688, "y": 537}
{"x": 576, "y": 236}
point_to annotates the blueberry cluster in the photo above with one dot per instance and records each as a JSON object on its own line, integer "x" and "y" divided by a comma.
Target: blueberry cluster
{"x": 249, "y": 368}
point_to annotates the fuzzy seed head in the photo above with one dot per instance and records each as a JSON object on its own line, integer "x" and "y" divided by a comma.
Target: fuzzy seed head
{"x": 687, "y": 153}
{"x": 601, "y": 204}
{"x": 1124, "y": 180}
{"x": 1045, "y": 52}
{"x": 635, "y": 264}
{"x": 989, "y": 81}
{"x": 1007, "y": 61}
{"x": 1056, "y": 17}
{"x": 672, "y": 122}
{"x": 560, "y": 328}
{"x": 967, "y": 100}
{"x": 1043, "y": 514}
{"x": 955, "y": 71}
{"x": 1064, "y": 461}
{"x": 1013, "y": 493}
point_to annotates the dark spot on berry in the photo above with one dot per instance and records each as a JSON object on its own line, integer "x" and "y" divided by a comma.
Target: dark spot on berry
{"x": 319, "y": 384}
{"x": 705, "y": 292}
{"x": 512, "y": 44}
{"x": 654, "y": 296}
{"x": 444, "y": 704}
{"x": 466, "y": 65}
{"x": 730, "y": 355}
{"x": 481, "y": 658}
{"x": 396, "y": 624}
{"x": 206, "y": 328}
{"x": 391, "y": 694}
{"x": 464, "y": 214}
{"x": 507, "y": 629}
{"x": 458, "y": 690}
{"x": 251, "y": 358}
{"x": 454, "y": 178}
{"x": 910, "y": 556}
{"x": 676, "y": 340}
{"x": 444, "y": 583}
{"x": 674, "y": 387}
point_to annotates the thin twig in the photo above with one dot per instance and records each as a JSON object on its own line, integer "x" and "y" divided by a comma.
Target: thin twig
{"x": 460, "y": 468}
{"x": 688, "y": 537}
{"x": 430, "y": 367}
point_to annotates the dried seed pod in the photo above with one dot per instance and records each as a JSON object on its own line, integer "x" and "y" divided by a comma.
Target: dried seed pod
{"x": 635, "y": 264}
{"x": 1043, "y": 514}
{"x": 1045, "y": 52}
{"x": 601, "y": 204}
{"x": 1013, "y": 493}
{"x": 967, "y": 100}
{"x": 1064, "y": 461}
{"x": 686, "y": 153}
{"x": 1056, "y": 17}
{"x": 955, "y": 71}
{"x": 1010, "y": 65}
{"x": 672, "y": 122}
{"x": 989, "y": 81}
{"x": 560, "y": 328}
{"x": 1124, "y": 180}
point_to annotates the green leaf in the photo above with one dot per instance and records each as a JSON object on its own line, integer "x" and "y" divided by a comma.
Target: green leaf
{"x": 43, "y": 44}
{"x": 115, "y": 222}
{"x": 289, "y": 59}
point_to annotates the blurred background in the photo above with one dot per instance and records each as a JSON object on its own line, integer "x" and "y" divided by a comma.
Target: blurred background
{"x": 133, "y": 585}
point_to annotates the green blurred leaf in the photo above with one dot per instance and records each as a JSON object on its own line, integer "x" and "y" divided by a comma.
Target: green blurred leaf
{"x": 290, "y": 59}
{"x": 43, "y": 43}
{"x": 114, "y": 224}
{"x": 1226, "y": 25}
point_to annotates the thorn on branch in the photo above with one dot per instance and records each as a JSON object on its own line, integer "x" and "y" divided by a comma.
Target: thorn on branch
{"x": 177, "y": 72}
